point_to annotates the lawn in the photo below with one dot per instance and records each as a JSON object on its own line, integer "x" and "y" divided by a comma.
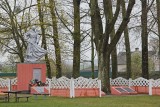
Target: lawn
{"x": 108, "y": 101}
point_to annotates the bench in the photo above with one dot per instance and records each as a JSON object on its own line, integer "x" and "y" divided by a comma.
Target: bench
{"x": 44, "y": 94}
{"x": 3, "y": 96}
{"x": 19, "y": 97}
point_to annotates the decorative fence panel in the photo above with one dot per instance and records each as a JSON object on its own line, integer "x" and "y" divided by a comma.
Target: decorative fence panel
{"x": 141, "y": 85}
{"x": 8, "y": 84}
{"x": 72, "y": 87}
{"x": 154, "y": 87}
{"x": 140, "y": 82}
{"x": 4, "y": 84}
{"x": 60, "y": 83}
{"x": 13, "y": 83}
{"x": 119, "y": 82}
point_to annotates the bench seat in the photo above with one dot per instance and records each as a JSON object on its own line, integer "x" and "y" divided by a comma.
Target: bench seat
{"x": 43, "y": 94}
{"x": 19, "y": 97}
{"x": 3, "y": 96}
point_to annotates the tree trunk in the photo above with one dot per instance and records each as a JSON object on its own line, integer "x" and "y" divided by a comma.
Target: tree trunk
{"x": 56, "y": 39}
{"x": 127, "y": 43}
{"x": 92, "y": 55}
{"x": 144, "y": 35}
{"x": 77, "y": 40}
{"x": 105, "y": 67}
{"x": 114, "y": 52}
{"x": 97, "y": 30}
{"x": 158, "y": 19}
{"x": 41, "y": 20}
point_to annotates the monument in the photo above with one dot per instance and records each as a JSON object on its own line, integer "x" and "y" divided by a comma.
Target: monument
{"x": 31, "y": 68}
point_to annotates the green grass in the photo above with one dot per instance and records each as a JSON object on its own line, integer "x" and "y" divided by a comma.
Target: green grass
{"x": 108, "y": 101}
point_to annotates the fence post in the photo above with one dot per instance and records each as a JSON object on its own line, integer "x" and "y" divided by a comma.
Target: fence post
{"x": 72, "y": 95}
{"x": 49, "y": 87}
{"x": 100, "y": 92}
{"x": 73, "y": 88}
{"x": 150, "y": 87}
{"x": 110, "y": 79}
{"x": 130, "y": 82}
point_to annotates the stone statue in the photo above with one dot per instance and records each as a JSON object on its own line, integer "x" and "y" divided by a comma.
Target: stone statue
{"x": 34, "y": 52}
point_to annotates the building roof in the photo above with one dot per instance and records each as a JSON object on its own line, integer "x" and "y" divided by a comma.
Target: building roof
{"x": 121, "y": 58}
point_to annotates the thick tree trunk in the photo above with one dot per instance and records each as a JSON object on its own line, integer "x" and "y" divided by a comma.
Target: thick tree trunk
{"x": 144, "y": 36}
{"x": 97, "y": 30}
{"x": 92, "y": 55}
{"x": 104, "y": 67}
{"x": 44, "y": 44}
{"x": 56, "y": 39}
{"x": 114, "y": 52}
{"x": 103, "y": 47}
{"x": 114, "y": 69}
{"x": 127, "y": 43}
{"x": 77, "y": 40}
{"x": 158, "y": 19}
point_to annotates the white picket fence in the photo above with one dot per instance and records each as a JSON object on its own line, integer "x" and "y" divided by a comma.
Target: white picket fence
{"x": 72, "y": 84}
{"x": 4, "y": 83}
{"x": 124, "y": 82}
{"x": 7, "y": 83}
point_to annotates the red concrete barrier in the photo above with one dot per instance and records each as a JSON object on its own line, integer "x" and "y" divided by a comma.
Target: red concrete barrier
{"x": 141, "y": 89}
{"x": 14, "y": 87}
{"x": 3, "y": 89}
{"x": 60, "y": 92}
{"x": 79, "y": 92}
{"x": 86, "y": 92}
{"x": 156, "y": 91}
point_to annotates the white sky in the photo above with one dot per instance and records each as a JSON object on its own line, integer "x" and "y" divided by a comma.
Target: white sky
{"x": 134, "y": 42}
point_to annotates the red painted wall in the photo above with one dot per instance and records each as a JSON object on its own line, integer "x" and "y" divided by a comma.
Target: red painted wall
{"x": 86, "y": 92}
{"x": 60, "y": 92}
{"x": 79, "y": 92}
{"x": 156, "y": 91}
{"x": 25, "y": 74}
{"x": 141, "y": 89}
{"x": 3, "y": 89}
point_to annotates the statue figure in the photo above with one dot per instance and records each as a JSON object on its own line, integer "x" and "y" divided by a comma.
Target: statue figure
{"x": 34, "y": 52}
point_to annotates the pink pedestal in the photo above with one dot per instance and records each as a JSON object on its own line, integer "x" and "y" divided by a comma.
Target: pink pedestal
{"x": 25, "y": 73}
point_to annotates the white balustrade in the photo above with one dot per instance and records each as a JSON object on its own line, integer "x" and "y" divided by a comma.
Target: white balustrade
{"x": 156, "y": 83}
{"x": 119, "y": 82}
{"x": 60, "y": 83}
{"x": 3, "y": 83}
{"x": 82, "y": 82}
{"x": 14, "y": 81}
{"x": 140, "y": 82}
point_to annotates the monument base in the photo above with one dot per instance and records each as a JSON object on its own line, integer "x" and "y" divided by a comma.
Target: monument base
{"x": 29, "y": 71}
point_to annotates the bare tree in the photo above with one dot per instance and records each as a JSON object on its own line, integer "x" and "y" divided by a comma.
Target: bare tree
{"x": 103, "y": 46}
